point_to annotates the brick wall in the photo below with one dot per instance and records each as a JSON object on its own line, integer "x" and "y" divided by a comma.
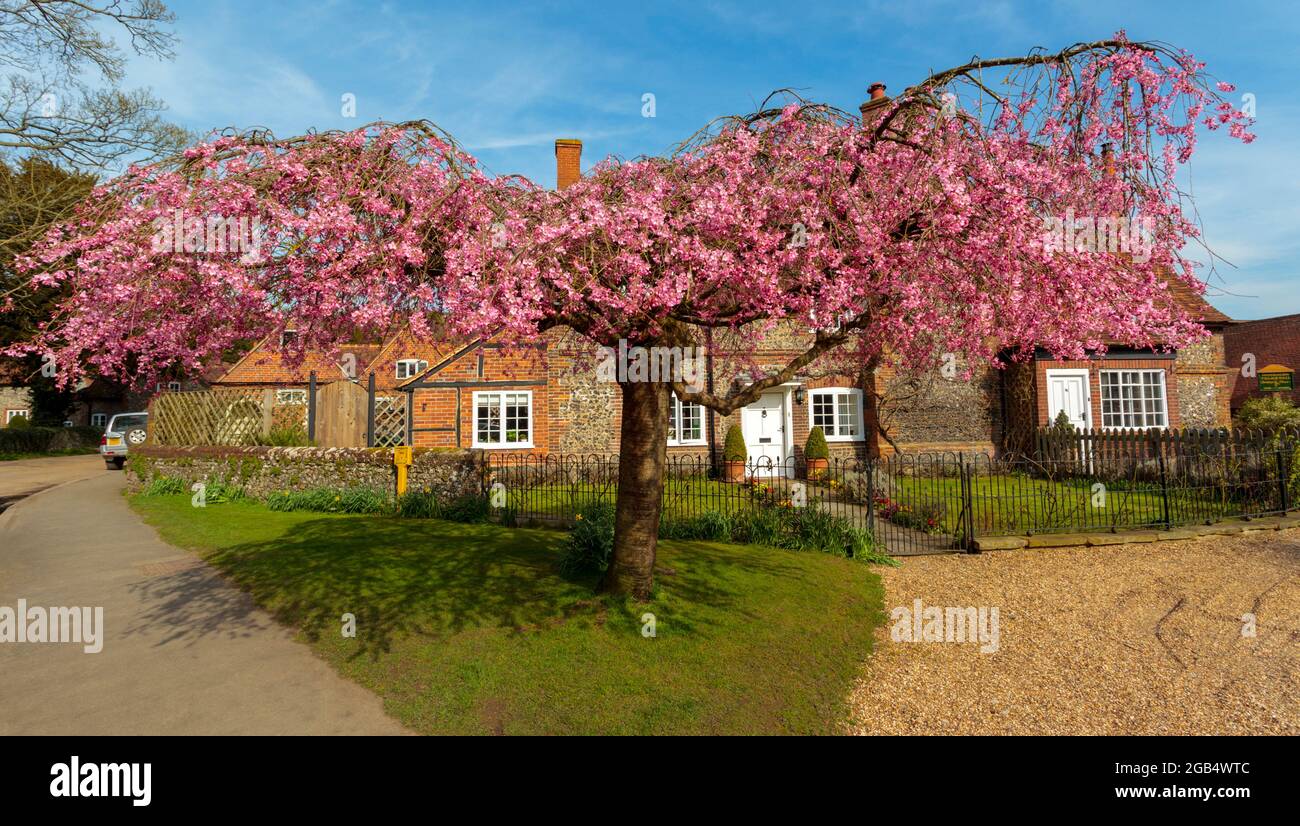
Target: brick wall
{"x": 1094, "y": 367}
{"x": 488, "y": 367}
{"x": 1271, "y": 341}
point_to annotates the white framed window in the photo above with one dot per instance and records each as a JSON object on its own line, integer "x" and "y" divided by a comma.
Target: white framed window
{"x": 838, "y": 412}
{"x": 10, "y": 415}
{"x": 410, "y": 368}
{"x": 1133, "y": 398}
{"x": 292, "y": 396}
{"x": 685, "y": 422}
{"x": 504, "y": 419}
{"x": 99, "y": 420}
{"x": 173, "y": 385}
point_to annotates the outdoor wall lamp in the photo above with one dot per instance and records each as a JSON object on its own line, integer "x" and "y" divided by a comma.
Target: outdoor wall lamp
{"x": 799, "y": 395}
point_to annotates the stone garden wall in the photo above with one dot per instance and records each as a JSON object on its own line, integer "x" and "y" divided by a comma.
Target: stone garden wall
{"x": 447, "y": 474}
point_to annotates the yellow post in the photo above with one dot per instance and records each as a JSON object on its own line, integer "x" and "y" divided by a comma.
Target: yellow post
{"x": 402, "y": 459}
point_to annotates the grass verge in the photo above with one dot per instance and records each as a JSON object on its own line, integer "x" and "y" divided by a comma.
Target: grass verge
{"x": 470, "y": 629}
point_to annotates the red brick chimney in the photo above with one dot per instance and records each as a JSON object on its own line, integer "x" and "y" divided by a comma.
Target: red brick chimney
{"x": 568, "y": 162}
{"x": 1108, "y": 159}
{"x": 877, "y": 100}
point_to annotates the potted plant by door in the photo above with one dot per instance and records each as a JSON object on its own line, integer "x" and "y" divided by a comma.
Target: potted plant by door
{"x": 816, "y": 454}
{"x": 733, "y": 455}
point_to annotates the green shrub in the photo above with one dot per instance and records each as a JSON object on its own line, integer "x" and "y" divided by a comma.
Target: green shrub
{"x": 24, "y": 439}
{"x": 1268, "y": 413}
{"x": 778, "y": 526}
{"x": 734, "y": 449}
{"x": 818, "y": 530}
{"x": 468, "y": 508}
{"x": 1062, "y": 424}
{"x": 293, "y": 436}
{"x": 815, "y": 447}
{"x": 30, "y": 438}
{"x": 591, "y": 542}
{"x": 1295, "y": 479}
{"x": 415, "y": 504}
{"x": 215, "y": 493}
{"x": 709, "y": 526}
{"x": 762, "y": 525}
{"x": 329, "y": 500}
{"x": 165, "y": 486}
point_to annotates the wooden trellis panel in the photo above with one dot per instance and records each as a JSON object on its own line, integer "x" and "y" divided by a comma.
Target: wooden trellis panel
{"x": 390, "y": 420}
{"x": 217, "y": 416}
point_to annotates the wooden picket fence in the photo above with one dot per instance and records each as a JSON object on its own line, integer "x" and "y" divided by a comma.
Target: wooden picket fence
{"x": 1095, "y": 450}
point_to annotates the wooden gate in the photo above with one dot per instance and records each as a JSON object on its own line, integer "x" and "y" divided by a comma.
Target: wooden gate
{"x": 341, "y": 415}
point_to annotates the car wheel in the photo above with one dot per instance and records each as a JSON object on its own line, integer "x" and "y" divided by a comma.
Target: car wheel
{"x": 118, "y": 463}
{"x": 135, "y": 436}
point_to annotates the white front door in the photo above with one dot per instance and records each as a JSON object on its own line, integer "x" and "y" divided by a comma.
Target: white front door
{"x": 763, "y": 424}
{"x": 1068, "y": 390}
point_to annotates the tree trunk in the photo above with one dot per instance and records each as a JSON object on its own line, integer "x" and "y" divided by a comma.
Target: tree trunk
{"x": 643, "y": 454}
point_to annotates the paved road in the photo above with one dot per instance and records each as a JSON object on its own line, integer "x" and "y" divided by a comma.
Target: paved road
{"x": 26, "y": 476}
{"x": 184, "y": 653}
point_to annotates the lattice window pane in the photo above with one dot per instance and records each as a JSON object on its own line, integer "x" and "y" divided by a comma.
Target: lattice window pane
{"x": 1133, "y": 398}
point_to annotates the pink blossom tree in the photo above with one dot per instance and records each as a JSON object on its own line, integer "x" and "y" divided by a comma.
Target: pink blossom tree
{"x": 914, "y": 231}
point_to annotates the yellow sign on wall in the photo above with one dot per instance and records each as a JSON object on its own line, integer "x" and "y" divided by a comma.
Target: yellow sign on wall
{"x": 1276, "y": 378}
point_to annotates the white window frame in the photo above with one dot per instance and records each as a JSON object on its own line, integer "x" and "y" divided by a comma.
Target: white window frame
{"x": 836, "y": 393}
{"x": 173, "y": 386}
{"x": 13, "y": 413}
{"x": 1164, "y": 398}
{"x": 675, "y": 406}
{"x": 503, "y": 445}
{"x": 420, "y": 366}
{"x": 103, "y": 420}
{"x": 291, "y": 395}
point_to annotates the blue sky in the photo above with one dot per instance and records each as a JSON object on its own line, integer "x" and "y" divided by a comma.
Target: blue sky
{"x": 507, "y": 79}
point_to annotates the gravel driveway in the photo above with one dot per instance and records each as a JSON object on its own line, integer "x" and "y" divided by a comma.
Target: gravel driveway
{"x": 1124, "y": 639}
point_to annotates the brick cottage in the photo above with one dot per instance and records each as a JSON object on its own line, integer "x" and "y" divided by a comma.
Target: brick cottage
{"x": 1263, "y": 343}
{"x": 550, "y": 399}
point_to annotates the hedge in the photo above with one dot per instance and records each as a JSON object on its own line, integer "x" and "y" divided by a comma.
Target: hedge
{"x": 46, "y": 439}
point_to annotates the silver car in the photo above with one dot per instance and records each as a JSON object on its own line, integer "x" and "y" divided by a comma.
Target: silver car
{"x": 124, "y": 430}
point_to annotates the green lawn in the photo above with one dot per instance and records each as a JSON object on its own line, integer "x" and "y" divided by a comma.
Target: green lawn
{"x": 682, "y": 497}
{"x": 468, "y": 629}
{"x": 1003, "y": 503}
{"x": 1011, "y": 503}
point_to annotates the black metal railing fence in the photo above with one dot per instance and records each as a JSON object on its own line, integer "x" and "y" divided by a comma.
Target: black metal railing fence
{"x": 931, "y": 502}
